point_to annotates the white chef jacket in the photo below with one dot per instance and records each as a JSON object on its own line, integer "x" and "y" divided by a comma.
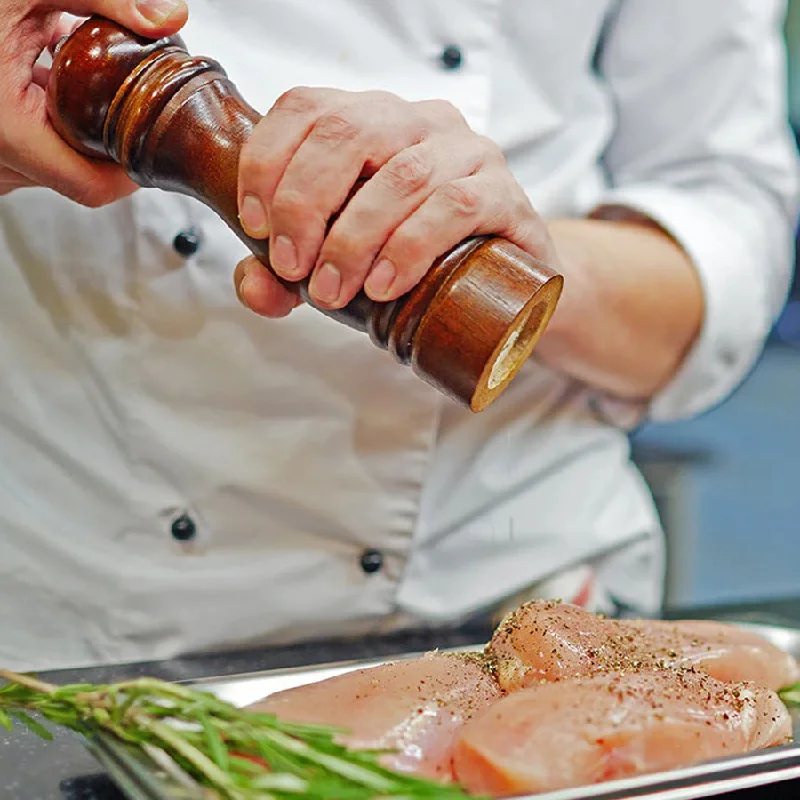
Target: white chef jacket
{"x": 329, "y": 490}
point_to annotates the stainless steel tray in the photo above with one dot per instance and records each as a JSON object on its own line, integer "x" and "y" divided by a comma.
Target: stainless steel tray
{"x": 139, "y": 781}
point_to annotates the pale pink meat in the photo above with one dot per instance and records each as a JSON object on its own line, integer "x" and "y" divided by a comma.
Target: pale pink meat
{"x": 588, "y": 730}
{"x": 414, "y": 707}
{"x": 551, "y": 641}
{"x": 726, "y": 652}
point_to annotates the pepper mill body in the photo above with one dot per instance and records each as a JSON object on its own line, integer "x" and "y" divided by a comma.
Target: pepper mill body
{"x": 176, "y": 122}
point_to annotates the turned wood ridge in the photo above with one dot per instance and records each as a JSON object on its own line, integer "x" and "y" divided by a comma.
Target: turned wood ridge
{"x": 176, "y": 122}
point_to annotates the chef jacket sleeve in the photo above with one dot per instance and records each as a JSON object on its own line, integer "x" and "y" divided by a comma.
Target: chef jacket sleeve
{"x": 703, "y": 147}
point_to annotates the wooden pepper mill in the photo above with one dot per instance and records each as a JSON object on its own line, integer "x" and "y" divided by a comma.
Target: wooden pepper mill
{"x": 176, "y": 122}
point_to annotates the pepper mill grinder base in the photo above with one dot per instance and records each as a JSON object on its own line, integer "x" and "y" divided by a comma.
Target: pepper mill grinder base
{"x": 508, "y": 306}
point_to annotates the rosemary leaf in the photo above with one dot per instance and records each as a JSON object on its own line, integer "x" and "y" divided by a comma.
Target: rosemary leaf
{"x": 285, "y": 783}
{"x": 278, "y": 760}
{"x": 334, "y": 763}
{"x": 172, "y": 738}
{"x": 216, "y": 747}
{"x": 790, "y": 695}
{"x": 32, "y": 724}
{"x": 230, "y": 752}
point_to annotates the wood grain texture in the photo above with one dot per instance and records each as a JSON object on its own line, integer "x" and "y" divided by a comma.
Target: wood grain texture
{"x": 176, "y": 122}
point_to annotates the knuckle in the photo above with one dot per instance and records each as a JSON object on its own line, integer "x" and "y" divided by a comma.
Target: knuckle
{"x": 289, "y": 205}
{"x": 461, "y": 200}
{"x": 335, "y": 128}
{"x": 490, "y": 151}
{"x": 408, "y": 173}
{"x": 351, "y": 246}
{"x": 524, "y": 210}
{"x": 345, "y": 242}
{"x": 407, "y": 249}
{"x": 443, "y": 111}
{"x": 298, "y": 100}
{"x": 522, "y": 207}
{"x": 254, "y": 165}
{"x": 295, "y": 214}
{"x": 254, "y": 158}
{"x": 383, "y": 97}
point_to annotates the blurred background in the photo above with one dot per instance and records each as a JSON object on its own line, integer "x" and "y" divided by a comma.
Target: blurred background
{"x": 728, "y": 483}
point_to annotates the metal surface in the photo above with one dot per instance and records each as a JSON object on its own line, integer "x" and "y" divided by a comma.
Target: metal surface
{"x": 710, "y": 779}
{"x": 132, "y": 774}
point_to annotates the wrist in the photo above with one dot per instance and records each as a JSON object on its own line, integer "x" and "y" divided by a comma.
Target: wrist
{"x": 632, "y": 304}
{"x": 572, "y": 260}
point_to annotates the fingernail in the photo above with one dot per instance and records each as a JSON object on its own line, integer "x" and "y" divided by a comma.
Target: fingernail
{"x": 283, "y": 256}
{"x": 381, "y": 278}
{"x": 326, "y": 284}
{"x": 248, "y": 284}
{"x": 158, "y": 11}
{"x": 253, "y": 217}
{"x": 249, "y": 265}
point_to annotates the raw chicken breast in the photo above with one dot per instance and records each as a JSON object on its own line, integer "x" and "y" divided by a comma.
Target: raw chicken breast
{"x": 588, "y": 730}
{"x": 724, "y": 651}
{"x": 414, "y": 707}
{"x": 550, "y": 641}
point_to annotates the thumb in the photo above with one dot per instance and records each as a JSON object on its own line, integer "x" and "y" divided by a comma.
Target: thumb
{"x": 152, "y": 18}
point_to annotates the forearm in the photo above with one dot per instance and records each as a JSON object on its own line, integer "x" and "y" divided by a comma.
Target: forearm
{"x": 631, "y": 308}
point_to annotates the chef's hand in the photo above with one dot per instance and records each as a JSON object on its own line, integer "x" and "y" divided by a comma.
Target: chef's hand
{"x": 432, "y": 182}
{"x": 31, "y": 152}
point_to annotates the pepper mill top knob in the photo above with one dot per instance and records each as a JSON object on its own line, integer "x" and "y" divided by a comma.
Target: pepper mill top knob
{"x": 98, "y": 58}
{"x": 176, "y": 122}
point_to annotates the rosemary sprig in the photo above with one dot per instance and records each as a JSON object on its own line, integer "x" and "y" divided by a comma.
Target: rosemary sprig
{"x": 238, "y": 754}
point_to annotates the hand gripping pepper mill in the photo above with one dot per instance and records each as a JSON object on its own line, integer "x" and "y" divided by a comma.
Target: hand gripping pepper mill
{"x": 177, "y": 122}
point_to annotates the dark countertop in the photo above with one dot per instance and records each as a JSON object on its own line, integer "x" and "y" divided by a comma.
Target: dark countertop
{"x": 31, "y": 769}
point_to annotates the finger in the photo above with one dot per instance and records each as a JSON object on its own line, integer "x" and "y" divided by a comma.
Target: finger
{"x": 38, "y": 152}
{"x": 151, "y": 18}
{"x": 267, "y": 153}
{"x": 260, "y": 291}
{"x": 326, "y": 166}
{"x": 67, "y": 24}
{"x": 32, "y": 147}
{"x": 482, "y": 204}
{"x": 62, "y": 27}
{"x": 380, "y": 207}
{"x": 11, "y": 180}
{"x": 40, "y": 75}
